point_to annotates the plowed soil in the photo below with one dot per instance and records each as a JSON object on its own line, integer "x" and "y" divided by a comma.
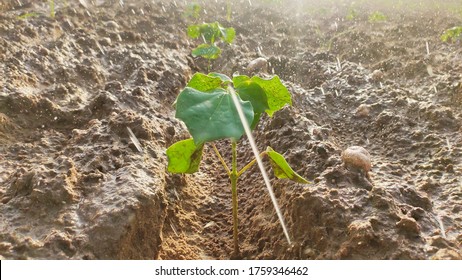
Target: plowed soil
{"x": 73, "y": 185}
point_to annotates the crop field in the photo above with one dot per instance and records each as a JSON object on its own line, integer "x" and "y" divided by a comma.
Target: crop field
{"x": 249, "y": 129}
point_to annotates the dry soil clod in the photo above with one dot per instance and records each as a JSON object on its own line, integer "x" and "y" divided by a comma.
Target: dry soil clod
{"x": 257, "y": 65}
{"x": 357, "y": 157}
{"x": 363, "y": 111}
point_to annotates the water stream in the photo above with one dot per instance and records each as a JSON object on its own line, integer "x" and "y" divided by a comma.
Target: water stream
{"x": 256, "y": 153}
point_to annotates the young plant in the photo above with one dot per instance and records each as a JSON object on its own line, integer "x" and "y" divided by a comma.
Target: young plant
{"x": 452, "y": 34}
{"x": 193, "y": 11}
{"x": 352, "y": 14}
{"x": 207, "y": 109}
{"x": 211, "y": 34}
{"x": 377, "y": 17}
{"x": 51, "y": 5}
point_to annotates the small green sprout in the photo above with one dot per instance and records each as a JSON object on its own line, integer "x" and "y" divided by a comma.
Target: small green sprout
{"x": 211, "y": 33}
{"x": 377, "y": 17}
{"x": 28, "y": 15}
{"x": 352, "y": 14}
{"x": 205, "y": 105}
{"x": 193, "y": 10}
{"x": 228, "y": 10}
{"x": 452, "y": 34}
{"x": 52, "y": 8}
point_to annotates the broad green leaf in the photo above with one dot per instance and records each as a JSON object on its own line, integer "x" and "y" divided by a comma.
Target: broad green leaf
{"x": 228, "y": 34}
{"x": 207, "y": 51}
{"x": 276, "y": 93}
{"x": 211, "y": 31}
{"x": 184, "y": 156}
{"x": 211, "y": 115}
{"x": 250, "y": 91}
{"x": 194, "y": 31}
{"x": 204, "y": 82}
{"x": 282, "y": 169}
{"x": 225, "y": 79}
{"x": 237, "y": 80}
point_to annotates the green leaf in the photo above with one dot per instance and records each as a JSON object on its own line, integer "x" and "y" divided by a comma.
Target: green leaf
{"x": 211, "y": 115}
{"x": 184, "y": 156}
{"x": 251, "y": 91}
{"x": 282, "y": 169}
{"x": 276, "y": 93}
{"x": 194, "y": 31}
{"x": 207, "y": 51}
{"x": 452, "y": 34}
{"x": 239, "y": 79}
{"x": 211, "y": 31}
{"x": 204, "y": 82}
{"x": 225, "y": 79}
{"x": 227, "y": 34}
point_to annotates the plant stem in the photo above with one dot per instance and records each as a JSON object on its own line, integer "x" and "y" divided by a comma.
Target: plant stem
{"x": 233, "y": 176}
{"x": 250, "y": 164}
{"x": 228, "y": 10}
{"x": 221, "y": 159}
{"x": 52, "y": 8}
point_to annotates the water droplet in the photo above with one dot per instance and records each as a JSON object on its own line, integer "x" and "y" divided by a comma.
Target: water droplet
{"x": 259, "y": 162}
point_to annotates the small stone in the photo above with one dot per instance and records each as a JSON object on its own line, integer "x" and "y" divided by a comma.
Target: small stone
{"x": 257, "y": 65}
{"x": 106, "y": 41}
{"x": 111, "y": 25}
{"x": 377, "y": 76}
{"x": 357, "y": 157}
{"x": 113, "y": 86}
{"x": 363, "y": 111}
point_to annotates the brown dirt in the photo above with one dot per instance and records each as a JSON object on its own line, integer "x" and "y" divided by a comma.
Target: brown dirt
{"x": 73, "y": 185}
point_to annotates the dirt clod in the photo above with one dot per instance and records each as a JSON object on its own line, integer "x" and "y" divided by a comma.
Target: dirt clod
{"x": 357, "y": 157}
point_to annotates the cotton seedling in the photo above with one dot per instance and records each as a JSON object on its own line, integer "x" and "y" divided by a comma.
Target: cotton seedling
{"x": 211, "y": 34}
{"x": 206, "y": 107}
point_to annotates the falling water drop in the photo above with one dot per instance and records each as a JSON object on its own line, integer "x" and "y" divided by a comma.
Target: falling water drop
{"x": 339, "y": 65}
{"x": 135, "y": 140}
{"x": 248, "y": 132}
